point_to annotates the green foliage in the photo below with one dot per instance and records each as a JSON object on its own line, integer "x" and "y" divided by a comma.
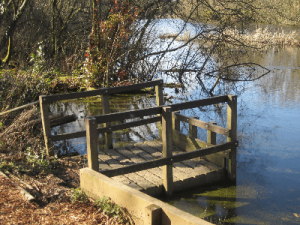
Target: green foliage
{"x": 109, "y": 208}
{"x": 79, "y": 196}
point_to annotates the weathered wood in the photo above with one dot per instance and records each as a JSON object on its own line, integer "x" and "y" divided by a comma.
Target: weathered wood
{"x": 79, "y": 134}
{"x": 198, "y": 103}
{"x": 20, "y": 107}
{"x": 106, "y": 110}
{"x": 193, "y": 129}
{"x": 92, "y": 143}
{"x": 153, "y": 214}
{"x": 202, "y": 124}
{"x": 167, "y": 149}
{"x": 214, "y": 158}
{"x": 232, "y": 126}
{"x": 63, "y": 120}
{"x": 188, "y": 143}
{"x": 84, "y": 94}
{"x": 170, "y": 160}
{"x": 46, "y": 125}
{"x": 128, "y": 115}
{"x": 159, "y": 102}
{"x": 176, "y": 122}
{"x": 67, "y": 136}
{"x": 129, "y": 124}
{"x": 39, "y": 121}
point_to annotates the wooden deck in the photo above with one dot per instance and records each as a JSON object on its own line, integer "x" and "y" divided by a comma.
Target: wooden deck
{"x": 186, "y": 174}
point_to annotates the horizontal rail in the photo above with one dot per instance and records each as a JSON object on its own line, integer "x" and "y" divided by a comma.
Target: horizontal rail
{"x": 128, "y": 115}
{"x": 62, "y": 137}
{"x": 128, "y": 125}
{"x": 202, "y": 124}
{"x": 79, "y": 134}
{"x": 170, "y": 160}
{"x": 198, "y": 103}
{"x": 102, "y": 91}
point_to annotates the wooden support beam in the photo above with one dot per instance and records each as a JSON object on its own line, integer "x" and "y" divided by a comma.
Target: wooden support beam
{"x": 167, "y": 149}
{"x": 46, "y": 125}
{"x": 232, "y": 126}
{"x": 92, "y": 143}
{"x": 106, "y": 110}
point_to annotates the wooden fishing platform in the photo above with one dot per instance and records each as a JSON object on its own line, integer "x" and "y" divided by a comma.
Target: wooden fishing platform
{"x": 186, "y": 174}
{"x": 175, "y": 163}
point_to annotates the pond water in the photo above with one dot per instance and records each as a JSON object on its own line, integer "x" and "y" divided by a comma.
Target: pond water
{"x": 268, "y": 174}
{"x": 268, "y": 171}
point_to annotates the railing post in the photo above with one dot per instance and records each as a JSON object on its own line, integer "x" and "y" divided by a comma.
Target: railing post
{"x": 106, "y": 110}
{"x": 153, "y": 215}
{"x": 176, "y": 122}
{"x": 232, "y": 126}
{"x": 167, "y": 148}
{"x": 46, "y": 124}
{"x": 159, "y": 101}
{"x": 193, "y": 129}
{"x": 92, "y": 143}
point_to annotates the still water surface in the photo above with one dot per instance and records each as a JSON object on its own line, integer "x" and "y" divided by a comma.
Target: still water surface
{"x": 268, "y": 173}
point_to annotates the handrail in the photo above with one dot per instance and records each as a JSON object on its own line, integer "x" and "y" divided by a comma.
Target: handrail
{"x": 202, "y": 124}
{"x": 102, "y": 91}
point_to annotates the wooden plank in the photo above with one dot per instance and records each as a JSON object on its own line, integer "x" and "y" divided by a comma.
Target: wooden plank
{"x": 138, "y": 176}
{"x": 62, "y": 137}
{"x": 180, "y": 170}
{"x": 84, "y": 94}
{"x": 172, "y": 159}
{"x": 232, "y": 126}
{"x": 63, "y": 120}
{"x": 153, "y": 178}
{"x": 115, "y": 164}
{"x": 198, "y": 103}
{"x": 106, "y": 110}
{"x": 79, "y": 134}
{"x": 150, "y": 156}
{"x": 92, "y": 143}
{"x": 46, "y": 125}
{"x": 187, "y": 143}
{"x": 202, "y": 124}
{"x": 129, "y": 124}
{"x": 128, "y": 114}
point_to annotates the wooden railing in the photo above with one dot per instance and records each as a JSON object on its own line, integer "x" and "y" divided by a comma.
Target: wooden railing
{"x": 45, "y": 100}
{"x": 170, "y": 134}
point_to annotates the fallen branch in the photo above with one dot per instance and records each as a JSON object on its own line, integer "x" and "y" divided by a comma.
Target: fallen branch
{"x": 20, "y": 107}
